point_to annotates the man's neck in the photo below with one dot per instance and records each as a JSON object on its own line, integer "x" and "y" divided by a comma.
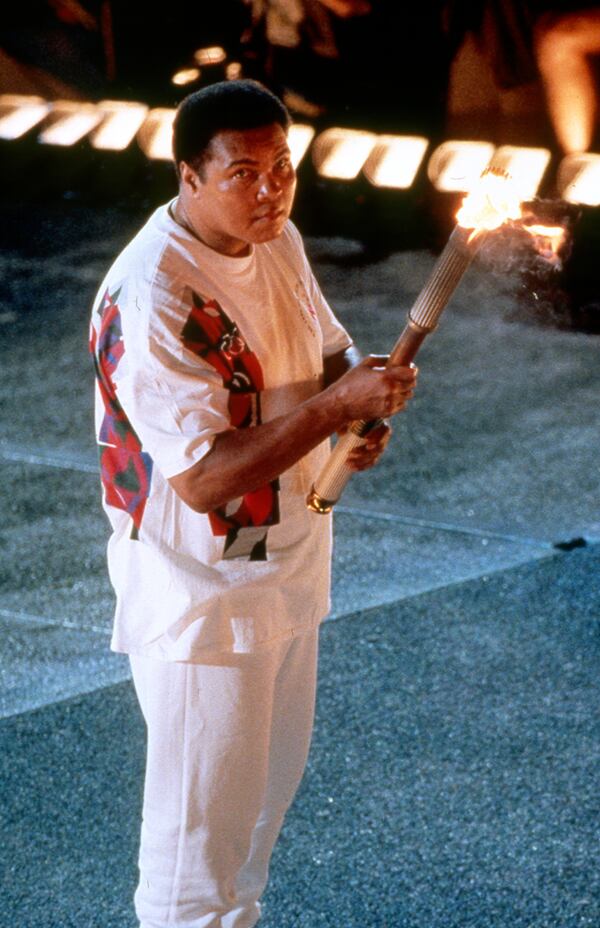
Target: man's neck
{"x": 224, "y": 246}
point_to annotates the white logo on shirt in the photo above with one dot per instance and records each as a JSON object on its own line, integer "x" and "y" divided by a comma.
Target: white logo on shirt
{"x": 308, "y": 312}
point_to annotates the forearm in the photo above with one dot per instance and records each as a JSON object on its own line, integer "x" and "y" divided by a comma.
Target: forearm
{"x": 243, "y": 460}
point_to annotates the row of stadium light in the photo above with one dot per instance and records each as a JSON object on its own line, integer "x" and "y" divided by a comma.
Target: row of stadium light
{"x": 387, "y": 161}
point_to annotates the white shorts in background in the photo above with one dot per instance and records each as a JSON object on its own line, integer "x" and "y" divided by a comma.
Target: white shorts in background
{"x": 227, "y": 746}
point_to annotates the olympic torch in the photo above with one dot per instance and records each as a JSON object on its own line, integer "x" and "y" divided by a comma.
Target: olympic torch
{"x": 487, "y": 207}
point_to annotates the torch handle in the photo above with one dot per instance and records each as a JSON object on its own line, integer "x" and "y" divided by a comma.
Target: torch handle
{"x": 422, "y": 319}
{"x": 334, "y": 476}
{"x": 330, "y": 483}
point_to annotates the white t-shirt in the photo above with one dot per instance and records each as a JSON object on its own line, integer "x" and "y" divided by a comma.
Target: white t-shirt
{"x": 188, "y": 343}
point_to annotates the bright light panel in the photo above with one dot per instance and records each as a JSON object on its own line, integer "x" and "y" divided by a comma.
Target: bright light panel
{"x": 72, "y": 123}
{"x": 299, "y": 138}
{"x": 456, "y": 166}
{"x": 395, "y": 160}
{"x": 526, "y": 167}
{"x": 233, "y": 71}
{"x": 155, "y": 135}
{"x": 211, "y": 55}
{"x": 341, "y": 153}
{"x": 579, "y": 179}
{"x": 185, "y": 76}
{"x": 19, "y": 114}
{"x": 120, "y": 124}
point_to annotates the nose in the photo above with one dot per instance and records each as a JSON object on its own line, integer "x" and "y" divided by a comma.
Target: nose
{"x": 269, "y": 187}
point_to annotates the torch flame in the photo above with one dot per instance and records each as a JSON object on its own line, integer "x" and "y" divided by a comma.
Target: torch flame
{"x": 495, "y": 201}
{"x": 547, "y": 240}
{"x": 491, "y": 203}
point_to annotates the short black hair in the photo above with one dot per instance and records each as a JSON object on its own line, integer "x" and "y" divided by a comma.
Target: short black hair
{"x": 237, "y": 105}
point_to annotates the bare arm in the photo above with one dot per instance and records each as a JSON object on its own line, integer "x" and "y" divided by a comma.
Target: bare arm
{"x": 242, "y": 460}
{"x": 347, "y": 8}
{"x": 564, "y": 44}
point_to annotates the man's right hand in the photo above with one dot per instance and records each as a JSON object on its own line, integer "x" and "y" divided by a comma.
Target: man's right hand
{"x": 373, "y": 391}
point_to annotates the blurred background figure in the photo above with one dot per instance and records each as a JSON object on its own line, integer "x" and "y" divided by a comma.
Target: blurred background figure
{"x": 292, "y": 45}
{"x": 567, "y": 46}
{"x": 378, "y": 64}
{"x": 520, "y": 71}
{"x": 57, "y": 47}
{"x": 529, "y": 64}
{"x": 88, "y": 49}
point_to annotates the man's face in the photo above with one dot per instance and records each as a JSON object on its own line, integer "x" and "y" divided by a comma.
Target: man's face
{"x": 246, "y": 191}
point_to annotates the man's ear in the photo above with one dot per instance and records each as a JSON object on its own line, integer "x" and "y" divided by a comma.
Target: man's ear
{"x": 188, "y": 178}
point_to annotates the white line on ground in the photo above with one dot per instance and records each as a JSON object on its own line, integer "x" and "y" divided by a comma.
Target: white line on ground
{"x": 441, "y": 526}
{"x": 27, "y": 619}
{"x": 63, "y": 462}
{"x": 483, "y": 575}
{"x": 35, "y": 702}
{"x": 122, "y": 675}
{"x": 43, "y": 459}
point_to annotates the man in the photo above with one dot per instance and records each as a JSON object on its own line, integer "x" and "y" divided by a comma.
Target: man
{"x": 221, "y": 372}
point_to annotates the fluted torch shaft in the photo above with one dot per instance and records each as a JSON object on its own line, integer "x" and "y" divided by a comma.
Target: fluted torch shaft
{"x": 423, "y": 317}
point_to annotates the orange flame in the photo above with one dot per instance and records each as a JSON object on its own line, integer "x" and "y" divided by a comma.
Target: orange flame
{"x": 495, "y": 201}
{"x": 547, "y": 240}
{"x": 491, "y": 203}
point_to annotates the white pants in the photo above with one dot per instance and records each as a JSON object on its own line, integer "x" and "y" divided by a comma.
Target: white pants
{"x": 227, "y": 746}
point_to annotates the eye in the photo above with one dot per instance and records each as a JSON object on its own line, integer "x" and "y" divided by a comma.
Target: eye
{"x": 284, "y": 164}
{"x": 246, "y": 175}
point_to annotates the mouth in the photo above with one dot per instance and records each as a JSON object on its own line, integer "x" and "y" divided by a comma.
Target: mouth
{"x": 271, "y": 215}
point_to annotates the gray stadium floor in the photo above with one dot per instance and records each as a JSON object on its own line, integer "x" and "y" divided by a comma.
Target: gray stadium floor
{"x": 452, "y": 780}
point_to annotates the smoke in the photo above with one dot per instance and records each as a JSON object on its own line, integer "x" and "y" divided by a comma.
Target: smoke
{"x": 536, "y": 268}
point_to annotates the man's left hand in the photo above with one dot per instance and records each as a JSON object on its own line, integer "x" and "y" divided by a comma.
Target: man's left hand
{"x": 367, "y": 455}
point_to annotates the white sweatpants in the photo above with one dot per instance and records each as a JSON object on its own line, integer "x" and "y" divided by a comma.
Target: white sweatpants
{"x": 227, "y": 746}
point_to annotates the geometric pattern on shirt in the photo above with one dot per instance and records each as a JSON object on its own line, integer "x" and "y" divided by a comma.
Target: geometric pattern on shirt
{"x": 125, "y": 468}
{"x": 211, "y": 335}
